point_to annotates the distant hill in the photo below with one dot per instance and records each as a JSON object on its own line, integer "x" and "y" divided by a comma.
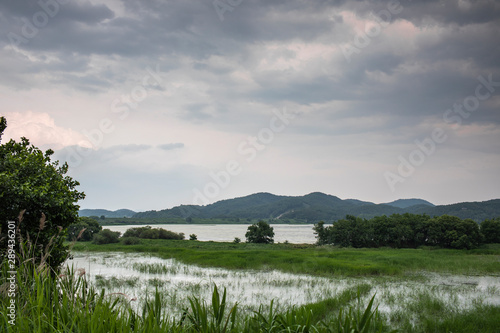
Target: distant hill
{"x": 317, "y": 206}
{"x": 405, "y": 203}
{"x": 107, "y": 213}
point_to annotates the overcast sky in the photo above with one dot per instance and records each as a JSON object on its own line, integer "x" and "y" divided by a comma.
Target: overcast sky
{"x": 159, "y": 103}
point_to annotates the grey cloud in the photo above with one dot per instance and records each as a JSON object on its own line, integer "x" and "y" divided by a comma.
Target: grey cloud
{"x": 433, "y": 12}
{"x": 171, "y": 146}
{"x": 127, "y": 148}
{"x": 77, "y": 156}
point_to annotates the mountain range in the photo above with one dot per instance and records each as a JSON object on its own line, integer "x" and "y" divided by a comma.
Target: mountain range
{"x": 318, "y": 206}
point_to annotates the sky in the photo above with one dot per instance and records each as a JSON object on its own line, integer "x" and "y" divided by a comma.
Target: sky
{"x": 157, "y": 103}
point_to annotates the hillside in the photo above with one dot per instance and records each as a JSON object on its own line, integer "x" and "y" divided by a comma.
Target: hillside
{"x": 318, "y": 206}
{"x": 405, "y": 203}
{"x": 106, "y": 213}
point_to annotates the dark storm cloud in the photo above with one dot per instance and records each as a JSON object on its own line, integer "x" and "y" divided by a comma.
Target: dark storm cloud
{"x": 466, "y": 34}
{"x": 84, "y": 12}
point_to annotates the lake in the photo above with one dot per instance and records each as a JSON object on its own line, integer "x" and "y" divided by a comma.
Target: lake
{"x": 293, "y": 233}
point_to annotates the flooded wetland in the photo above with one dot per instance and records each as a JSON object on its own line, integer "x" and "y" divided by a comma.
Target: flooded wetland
{"x": 404, "y": 299}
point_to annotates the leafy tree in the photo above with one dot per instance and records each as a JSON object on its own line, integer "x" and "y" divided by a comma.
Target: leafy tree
{"x": 261, "y": 232}
{"x": 30, "y": 181}
{"x": 323, "y": 235}
{"x": 407, "y": 230}
{"x": 106, "y": 236}
{"x": 342, "y": 232}
{"x": 91, "y": 227}
{"x": 491, "y": 230}
{"x": 193, "y": 237}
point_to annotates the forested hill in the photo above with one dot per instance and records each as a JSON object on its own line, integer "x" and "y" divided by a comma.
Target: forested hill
{"x": 318, "y": 206}
{"x": 107, "y": 213}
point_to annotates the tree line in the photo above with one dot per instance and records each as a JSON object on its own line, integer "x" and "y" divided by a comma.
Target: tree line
{"x": 408, "y": 231}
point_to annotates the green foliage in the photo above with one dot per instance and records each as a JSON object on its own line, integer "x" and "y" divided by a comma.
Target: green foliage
{"x": 491, "y": 230}
{"x": 106, "y": 236}
{"x": 31, "y": 182}
{"x": 205, "y": 319}
{"x": 152, "y": 233}
{"x": 130, "y": 240}
{"x": 193, "y": 237}
{"x": 236, "y": 240}
{"x": 90, "y": 225}
{"x": 357, "y": 321}
{"x": 261, "y": 232}
{"x": 401, "y": 231}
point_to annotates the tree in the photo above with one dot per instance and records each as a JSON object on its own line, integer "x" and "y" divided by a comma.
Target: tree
{"x": 261, "y": 232}
{"x": 323, "y": 235}
{"x": 31, "y": 182}
{"x": 491, "y": 230}
{"x": 91, "y": 227}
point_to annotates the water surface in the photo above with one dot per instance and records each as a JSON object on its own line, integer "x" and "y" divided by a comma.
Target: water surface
{"x": 293, "y": 233}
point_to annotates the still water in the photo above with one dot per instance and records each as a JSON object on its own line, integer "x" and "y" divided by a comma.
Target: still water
{"x": 135, "y": 277}
{"x": 294, "y": 233}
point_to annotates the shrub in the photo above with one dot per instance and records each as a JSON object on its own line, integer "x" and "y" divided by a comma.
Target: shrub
{"x": 193, "y": 237}
{"x": 149, "y": 233}
{"x": 236, "y": 240}
{"x": 106, "y": 236}
{"x": 130, "y": 240}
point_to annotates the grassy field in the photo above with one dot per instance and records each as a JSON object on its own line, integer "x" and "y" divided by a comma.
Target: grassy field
{"x": 319, "y": 261}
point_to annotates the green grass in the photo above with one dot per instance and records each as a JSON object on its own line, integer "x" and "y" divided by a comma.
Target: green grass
{"x": 319, "y": 261}
{"x": 427, "y": 313}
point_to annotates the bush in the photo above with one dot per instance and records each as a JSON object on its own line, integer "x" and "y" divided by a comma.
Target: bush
{"x": 106, "y": 236}
{"x": 237, "y": 240}
{"x": 130, "y": 240}
{"x": 149, "y": 233}
{"x": 193, "y": 237}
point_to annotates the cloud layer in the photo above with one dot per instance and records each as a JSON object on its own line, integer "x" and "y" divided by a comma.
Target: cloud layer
{"x": 157, "y": 96}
